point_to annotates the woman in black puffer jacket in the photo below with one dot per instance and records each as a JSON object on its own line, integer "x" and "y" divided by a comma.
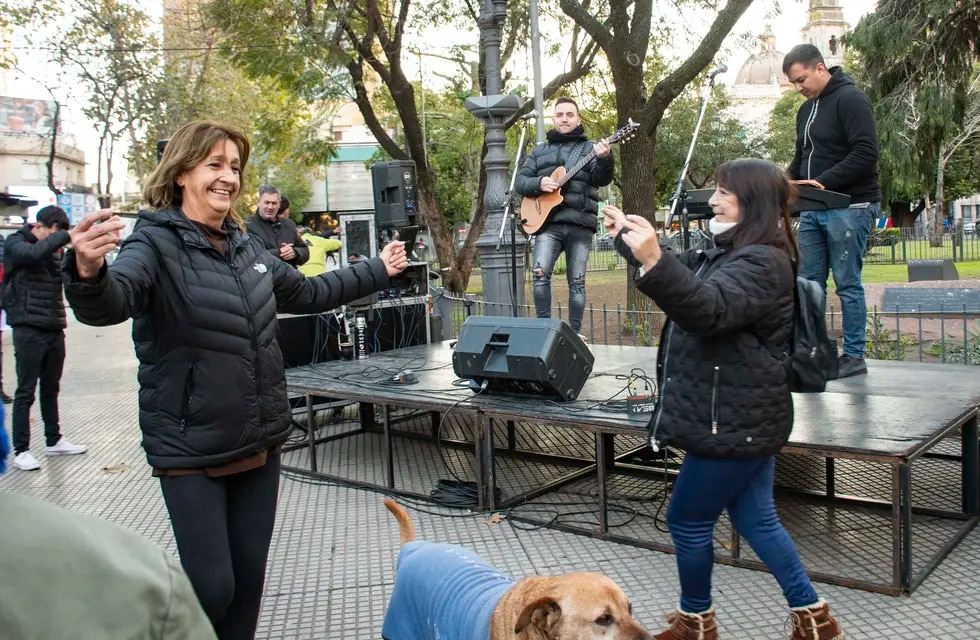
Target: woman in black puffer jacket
{"x": 204, "y": 298}
{"x": 724, "y": 397}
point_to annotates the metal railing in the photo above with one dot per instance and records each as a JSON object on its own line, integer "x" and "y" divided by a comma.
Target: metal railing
{"x": 945, "y": 337}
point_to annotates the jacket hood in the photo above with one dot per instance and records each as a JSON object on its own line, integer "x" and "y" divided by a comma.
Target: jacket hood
{"x": 173, "y": 218}
{"x": 837, "y": 80}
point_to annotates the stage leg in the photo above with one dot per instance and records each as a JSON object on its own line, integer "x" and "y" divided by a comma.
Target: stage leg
{"x": 971, "y": 467}
{"x": 486, "y": 482}
{"x": 311, "y": 431}
{"x": 602, "y": 456}
{"x": 389, "y": 452}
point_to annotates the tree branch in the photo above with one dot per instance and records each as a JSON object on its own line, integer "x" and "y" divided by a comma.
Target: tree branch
{"x": 363, "y": 102}
{"x": 577, "y": 12}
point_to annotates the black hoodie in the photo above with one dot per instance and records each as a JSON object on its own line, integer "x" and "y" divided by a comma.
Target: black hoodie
{"x": 836, "y": 141}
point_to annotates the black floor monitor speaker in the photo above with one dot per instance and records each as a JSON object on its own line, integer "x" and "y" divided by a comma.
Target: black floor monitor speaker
{"x": 523, "y": 356}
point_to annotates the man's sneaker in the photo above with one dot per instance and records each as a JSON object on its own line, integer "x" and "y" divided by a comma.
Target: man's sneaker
{"x": 65, "y": 448}
{"x": 26, "y": 461}
{"x": 584, "y": 338}
{"x": 5, "y": 398}
{"x": 850, "y": 366}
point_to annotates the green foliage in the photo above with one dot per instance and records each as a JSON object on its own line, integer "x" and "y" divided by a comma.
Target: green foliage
{"x": 780, "y": 141}
{"x": 884, "y": 344}
{"x": 917, "y": 61}
{"x": 956, "y": 353}
{"x": 721, "y": 139}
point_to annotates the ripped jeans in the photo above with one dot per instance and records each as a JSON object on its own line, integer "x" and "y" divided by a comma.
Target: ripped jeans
{"x": 834, "y": 241}
{"x": 576, "y": 242}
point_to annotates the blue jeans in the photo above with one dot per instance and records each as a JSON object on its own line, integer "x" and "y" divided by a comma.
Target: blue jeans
{"x": 706, "y": 486}
{"x": 576, "y": 242}
{"x": 834, "y": 241}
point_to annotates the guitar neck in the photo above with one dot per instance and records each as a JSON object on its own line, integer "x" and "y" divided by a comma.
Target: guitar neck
{"x": 578, "y": 167}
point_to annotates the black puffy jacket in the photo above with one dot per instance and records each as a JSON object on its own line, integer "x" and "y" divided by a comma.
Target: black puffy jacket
{"x": 212, "y": 383}
{"x": 723, "y": 393}
{"x": 32, "y": 294}
{"x": 580, "y": 193}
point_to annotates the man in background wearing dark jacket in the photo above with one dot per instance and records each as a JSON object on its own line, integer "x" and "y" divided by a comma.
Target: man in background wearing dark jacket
{"x": 36, "y": 312}
{"x": 3, "y": 394}
{"x": 279, "y": 235}
{"x": 836, "y": 149}
{"x": 570, "y": 225}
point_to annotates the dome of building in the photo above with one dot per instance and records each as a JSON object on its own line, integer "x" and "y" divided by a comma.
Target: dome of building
{"x": 766, "y": 66}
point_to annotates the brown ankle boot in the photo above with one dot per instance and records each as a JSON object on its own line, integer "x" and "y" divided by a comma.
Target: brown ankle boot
{"x": 815, "y": 623}
{"x": 690, "y": 626}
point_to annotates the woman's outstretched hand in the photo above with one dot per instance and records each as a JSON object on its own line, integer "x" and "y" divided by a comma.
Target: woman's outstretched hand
{"x": 613, "y": 219}
{"x": 394, "y": 257}
{"x": 95, "y": 236}
{"x": 641, "y": 237}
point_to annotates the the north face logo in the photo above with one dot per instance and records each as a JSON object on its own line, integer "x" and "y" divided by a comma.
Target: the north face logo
{"x": 261, "y": 268}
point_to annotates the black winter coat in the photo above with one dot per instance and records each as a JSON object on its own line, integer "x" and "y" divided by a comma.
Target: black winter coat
{"x": 212, "y": 382}
{"x": 273, "y": 234}
{"x": 580, "y": 193}
{"x": 32, "y": 294}
{"x": 723, "y": 394}
{"x": 837, "y": 142}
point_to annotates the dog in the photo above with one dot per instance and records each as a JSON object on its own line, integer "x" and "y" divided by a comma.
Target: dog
{"x": 447, "y": 592}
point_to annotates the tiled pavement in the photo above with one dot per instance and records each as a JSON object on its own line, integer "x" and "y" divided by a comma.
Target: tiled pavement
{"x": 331, "y": 563}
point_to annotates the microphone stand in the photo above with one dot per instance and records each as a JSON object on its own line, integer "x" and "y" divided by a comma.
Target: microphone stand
{"x": 680, "y": 194}
{"x": 511, "y": 216}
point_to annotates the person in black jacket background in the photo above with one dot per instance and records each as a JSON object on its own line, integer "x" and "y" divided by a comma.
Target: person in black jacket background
{"x": 3, "y": 394}
{"x": 36, "y": 312}
{"x": 276, "y": 232}
{"x": 723, "y": 394}
{"x": 203, "y": 296}
{"x": 836, "y": 149}
{"x": 570, "y": 225}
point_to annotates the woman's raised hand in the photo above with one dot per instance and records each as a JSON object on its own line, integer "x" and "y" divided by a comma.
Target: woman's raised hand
{"x": 96, "y": 235}
{"x": 641, "y": 237}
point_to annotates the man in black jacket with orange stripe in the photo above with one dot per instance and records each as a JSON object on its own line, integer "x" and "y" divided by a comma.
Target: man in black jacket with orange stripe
{"x": 836, "y": 149}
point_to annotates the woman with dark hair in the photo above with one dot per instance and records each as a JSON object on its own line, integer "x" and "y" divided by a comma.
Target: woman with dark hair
{"x": 214, "y": 413}
{"x": 724, "y": 397}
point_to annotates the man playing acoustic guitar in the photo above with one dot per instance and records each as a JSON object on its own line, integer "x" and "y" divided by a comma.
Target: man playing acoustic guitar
{"x": 569, "y": 227}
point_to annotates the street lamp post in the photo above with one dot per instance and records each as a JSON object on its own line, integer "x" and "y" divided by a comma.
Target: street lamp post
{"x": 493, "y": 110}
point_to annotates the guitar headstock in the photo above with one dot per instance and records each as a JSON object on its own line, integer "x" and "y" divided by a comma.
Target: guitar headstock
{"x": 624, "y": 133}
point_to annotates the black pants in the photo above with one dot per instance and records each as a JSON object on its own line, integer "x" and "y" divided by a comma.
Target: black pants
{"x": 223, "y": 528}
{"x": 39, "y": 356}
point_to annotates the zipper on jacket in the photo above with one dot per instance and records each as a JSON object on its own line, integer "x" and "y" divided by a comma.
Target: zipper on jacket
{"x": 186, "y": 401}
{"x": 654, "y": 443}
{"x": 714, "y": 404}
{"x": 806, "y": 136}
{"x": 251, "y": 329}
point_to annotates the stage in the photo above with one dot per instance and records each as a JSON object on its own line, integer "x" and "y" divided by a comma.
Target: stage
{"x": 846, "y": 488}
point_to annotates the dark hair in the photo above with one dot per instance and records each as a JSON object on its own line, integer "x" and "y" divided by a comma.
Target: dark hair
{"x": 266, "y": 188}
{"x": 186, "y": 149}
{"x": 764, "y": 194}
{"x": 806, "y": 54}
{"x": 565, "y": 99}
{"x": 52, "y": 216}
{"x": 283, "y": 204}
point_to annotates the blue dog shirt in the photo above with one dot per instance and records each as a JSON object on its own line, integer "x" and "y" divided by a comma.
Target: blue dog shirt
{"x": 442, "y": 592}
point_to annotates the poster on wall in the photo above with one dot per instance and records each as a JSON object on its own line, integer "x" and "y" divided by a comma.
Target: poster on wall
{"x": 25, "y": 115}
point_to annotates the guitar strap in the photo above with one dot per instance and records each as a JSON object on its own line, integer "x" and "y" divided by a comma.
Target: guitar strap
{"x": 574, "y": 155}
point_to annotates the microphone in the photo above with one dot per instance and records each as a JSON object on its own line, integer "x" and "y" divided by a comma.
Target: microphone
{"x": 722, "y": 69}
{"x": 529, "y": 115}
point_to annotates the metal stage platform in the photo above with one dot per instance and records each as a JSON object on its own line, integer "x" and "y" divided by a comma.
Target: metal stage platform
{"x": 880, "y": 480}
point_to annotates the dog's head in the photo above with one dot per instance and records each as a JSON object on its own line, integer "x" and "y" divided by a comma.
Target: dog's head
{"x": 580, "y": 606}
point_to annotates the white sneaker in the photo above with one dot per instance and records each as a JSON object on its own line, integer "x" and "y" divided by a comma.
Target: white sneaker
{"x": 26, "y": 461}
{"x": 65, "y": 448}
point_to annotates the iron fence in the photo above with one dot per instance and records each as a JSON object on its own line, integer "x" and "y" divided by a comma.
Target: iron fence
{"x": 945, "y": 337}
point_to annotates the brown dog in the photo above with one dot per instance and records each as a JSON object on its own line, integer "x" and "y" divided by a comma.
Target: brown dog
{"x": 446, "y": 592}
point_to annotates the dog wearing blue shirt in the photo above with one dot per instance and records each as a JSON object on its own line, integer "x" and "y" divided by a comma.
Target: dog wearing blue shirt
{"x": 447, "y": 592}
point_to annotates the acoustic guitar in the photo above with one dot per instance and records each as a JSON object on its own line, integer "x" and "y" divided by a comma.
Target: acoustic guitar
{"x": 535, "y": 211}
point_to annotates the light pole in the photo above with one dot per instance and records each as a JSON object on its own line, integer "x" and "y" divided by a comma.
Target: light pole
{"x": 493, "y": 110}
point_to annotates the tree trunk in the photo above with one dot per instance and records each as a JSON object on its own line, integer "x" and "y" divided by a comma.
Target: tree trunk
{"x": 939, "y": 213}
{"x": 54, "y": 148}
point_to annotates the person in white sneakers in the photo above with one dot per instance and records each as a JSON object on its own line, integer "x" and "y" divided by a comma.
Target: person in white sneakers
{"x": 35, "y": 310}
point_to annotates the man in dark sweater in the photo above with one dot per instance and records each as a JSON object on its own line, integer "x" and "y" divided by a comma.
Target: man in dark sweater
{"x": 570, "y": 225}
{"x": 279, "y": 235}
{"x": 836, "y": 149}
{"x": 36, "y": 311}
